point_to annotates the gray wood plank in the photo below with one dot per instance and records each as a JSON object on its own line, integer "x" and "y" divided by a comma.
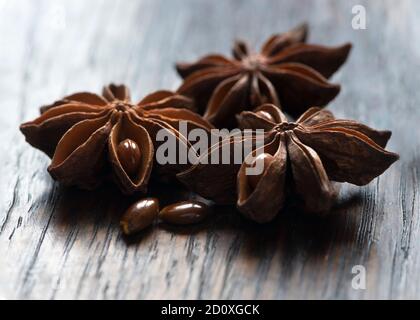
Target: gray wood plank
{"x": 65, "y": 243}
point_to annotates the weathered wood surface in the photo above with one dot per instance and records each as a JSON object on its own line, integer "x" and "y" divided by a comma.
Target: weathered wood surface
{"x": 57, "y": 243}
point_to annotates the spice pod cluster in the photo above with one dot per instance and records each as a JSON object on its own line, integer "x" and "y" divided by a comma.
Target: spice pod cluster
{"x": 282, "y": 89}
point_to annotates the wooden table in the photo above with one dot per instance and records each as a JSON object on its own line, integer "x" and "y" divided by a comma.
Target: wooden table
{"x": 65, "y": 243}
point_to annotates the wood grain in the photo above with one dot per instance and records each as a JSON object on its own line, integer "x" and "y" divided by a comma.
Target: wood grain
{"x": 60, "y": 243}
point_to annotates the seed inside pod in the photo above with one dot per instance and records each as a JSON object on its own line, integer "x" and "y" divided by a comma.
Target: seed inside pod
{"x": 263, "y": 158}
{"x": 129, "y": 155}
{"x": 267, "y": 116}
{"x": 185, "y": 212}
{"x": 139, "y": 216}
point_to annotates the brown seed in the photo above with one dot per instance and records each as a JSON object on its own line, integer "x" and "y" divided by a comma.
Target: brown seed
{"x": 184, "y": 212}
{"x": 139, "y": 216}
{"x": 129, "y": 155}
{"x": 254, "y": 179}
{"x": 267, "y": 116}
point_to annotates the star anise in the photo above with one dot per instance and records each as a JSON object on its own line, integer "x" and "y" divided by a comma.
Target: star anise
{"x": 91, "y": 137}
{"x": 287, "y": 72}
{"x": 300, "y": 158}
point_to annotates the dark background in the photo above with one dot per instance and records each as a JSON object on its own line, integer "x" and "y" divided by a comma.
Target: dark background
{"x": 61, "y": 243}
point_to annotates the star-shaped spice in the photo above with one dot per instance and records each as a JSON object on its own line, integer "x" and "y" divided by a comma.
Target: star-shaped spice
{"x": 91, "y": 137}
{"x": 300, "y": 158}
{"x": 286, "y": 72}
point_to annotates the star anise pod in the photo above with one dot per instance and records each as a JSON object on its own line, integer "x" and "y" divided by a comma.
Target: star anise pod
{"x": 300, "y": 158}
{"x": 92, "y": 137}
{"x": 286, "y": 72}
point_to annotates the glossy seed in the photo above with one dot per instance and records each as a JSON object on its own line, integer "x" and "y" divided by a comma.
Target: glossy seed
{"x": 139, "y": 216}
{"x": 129, "y": 155}
{"x": 185, "y": 212}
{"x": 265, "y": 115}
{"x": 254, "y": 179}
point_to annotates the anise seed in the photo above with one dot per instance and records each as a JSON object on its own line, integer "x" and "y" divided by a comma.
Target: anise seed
{"x": 139, "y": 216}
{"x": 184, "y": 212}
{"x": 83, "y": 153}
{"x": 129, "y": 155}
{"x": 285, "y": 56}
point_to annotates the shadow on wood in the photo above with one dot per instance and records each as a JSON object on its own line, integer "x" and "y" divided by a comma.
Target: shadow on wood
{"x": 291, "y": 233}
